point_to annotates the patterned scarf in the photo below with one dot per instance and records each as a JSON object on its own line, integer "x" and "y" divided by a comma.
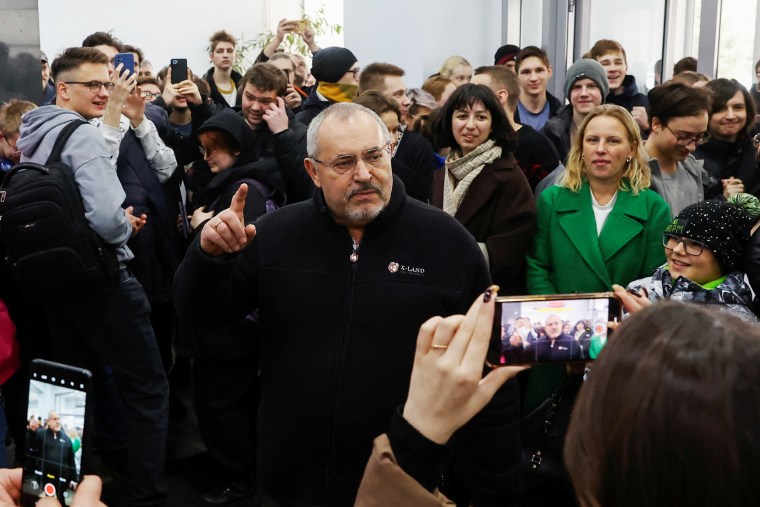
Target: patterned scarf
{"x": 338, "y": 92}
{"x": 460, "y": 172}
{"x": 732, "y": 294}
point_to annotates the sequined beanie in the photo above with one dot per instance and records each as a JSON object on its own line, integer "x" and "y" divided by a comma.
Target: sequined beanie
{"x": 722, "y": 226}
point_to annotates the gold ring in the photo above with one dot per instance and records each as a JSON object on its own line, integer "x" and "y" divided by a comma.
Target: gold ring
{"x": 218, "y": 224}
{"x": 441, "y": 346}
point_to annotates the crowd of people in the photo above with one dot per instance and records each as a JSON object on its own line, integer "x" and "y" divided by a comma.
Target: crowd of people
{"x": 285, "y": 232}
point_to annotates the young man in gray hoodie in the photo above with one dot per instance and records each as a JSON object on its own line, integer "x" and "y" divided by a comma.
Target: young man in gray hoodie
{"x": 109, "y": 327}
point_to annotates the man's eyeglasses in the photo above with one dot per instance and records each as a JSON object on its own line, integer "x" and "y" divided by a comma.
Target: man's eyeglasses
{"x": 686, "y": 140}
{"x": 150, "y": 95}
{"x": 346, "y": 163}
{"x": 94, "y": 86}
{"x": 691, "y": 247}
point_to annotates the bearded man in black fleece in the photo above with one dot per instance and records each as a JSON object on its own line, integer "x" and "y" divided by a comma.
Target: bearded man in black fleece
{"x": 342, "y": 284}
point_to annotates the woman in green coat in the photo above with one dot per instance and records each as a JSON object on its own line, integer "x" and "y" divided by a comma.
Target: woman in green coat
{"x": 598, "y": 226}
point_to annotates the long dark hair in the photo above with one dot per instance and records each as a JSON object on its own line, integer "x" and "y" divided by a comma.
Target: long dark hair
{"x": 670, "y": 414}
{"x": 465, "y": 96}
{"x": 724, "y": 90}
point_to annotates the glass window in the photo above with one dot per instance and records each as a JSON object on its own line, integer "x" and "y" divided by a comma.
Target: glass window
{"x": 737, "y": 40}
{"x": 638, "y": 26}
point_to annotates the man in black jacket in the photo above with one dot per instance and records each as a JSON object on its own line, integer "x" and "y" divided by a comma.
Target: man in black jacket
{"x": 342, "y": 284}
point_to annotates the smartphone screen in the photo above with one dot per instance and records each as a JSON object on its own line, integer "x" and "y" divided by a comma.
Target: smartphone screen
{"x": 179, "y": 70}
{"x": 551, "y": 329}
{"x": 127, "y": 60}
{"x": 55, "y": 435}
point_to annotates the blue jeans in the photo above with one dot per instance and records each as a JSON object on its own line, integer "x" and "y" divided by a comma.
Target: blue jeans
{"x": 112, "y": 327}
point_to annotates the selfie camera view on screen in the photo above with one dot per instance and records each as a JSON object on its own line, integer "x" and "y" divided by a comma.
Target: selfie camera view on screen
{"x": 55, "y": 432}
{"x": 551, "y": 329}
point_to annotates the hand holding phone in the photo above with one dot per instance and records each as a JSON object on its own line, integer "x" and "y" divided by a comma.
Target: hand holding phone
{"x": 58, "y": 422}
{"x": 127, "y": 61}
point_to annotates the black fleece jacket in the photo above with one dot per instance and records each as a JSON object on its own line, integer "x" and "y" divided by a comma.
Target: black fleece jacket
{"x": 338, "y": 340}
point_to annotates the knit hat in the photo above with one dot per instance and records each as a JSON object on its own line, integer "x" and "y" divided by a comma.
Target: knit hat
{"x": 505, "y": 54}
{"x": 586, "y": 68}
{"x": 722, "y": 226}
{"x": 329, "y": 64}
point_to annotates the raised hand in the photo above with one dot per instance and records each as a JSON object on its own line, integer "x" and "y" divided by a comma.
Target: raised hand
{"x": 446, "y": 389}
{"x": 228, "y": 232}
{"x": 276, "y": 116}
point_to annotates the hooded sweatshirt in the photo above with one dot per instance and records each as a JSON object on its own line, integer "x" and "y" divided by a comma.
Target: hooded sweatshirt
{"x": 94, "y": 170}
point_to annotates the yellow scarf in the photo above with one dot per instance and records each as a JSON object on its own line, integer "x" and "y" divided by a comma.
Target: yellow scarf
{"x": 338, "y": 92}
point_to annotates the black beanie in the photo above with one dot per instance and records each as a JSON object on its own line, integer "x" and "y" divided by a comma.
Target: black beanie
{"x": 329, "y": 64}
{"x": 722, "y": 226}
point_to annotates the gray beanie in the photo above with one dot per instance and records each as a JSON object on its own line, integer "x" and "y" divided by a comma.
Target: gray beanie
{"x": 329, "y": 64}
{"x": 588, "y": 69}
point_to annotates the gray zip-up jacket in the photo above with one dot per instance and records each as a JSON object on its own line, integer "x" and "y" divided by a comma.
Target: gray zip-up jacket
{"x": 94, "y": 171}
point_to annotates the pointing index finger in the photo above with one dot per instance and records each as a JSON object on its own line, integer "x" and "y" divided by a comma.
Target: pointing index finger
{"x": 238, "y": 200}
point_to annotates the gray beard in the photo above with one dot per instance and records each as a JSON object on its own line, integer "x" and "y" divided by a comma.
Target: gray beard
{"x": 363, "y": 216}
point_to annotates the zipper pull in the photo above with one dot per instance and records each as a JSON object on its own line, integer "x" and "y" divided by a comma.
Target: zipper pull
{"x": 355, "y": 254}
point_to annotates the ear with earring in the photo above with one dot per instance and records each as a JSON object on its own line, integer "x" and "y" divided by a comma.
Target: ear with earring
{"x": 628, "y": 160}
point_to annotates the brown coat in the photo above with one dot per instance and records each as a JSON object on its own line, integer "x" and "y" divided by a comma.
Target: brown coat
{"x": 385, "y": 483}
{"x": 499, "y": 210}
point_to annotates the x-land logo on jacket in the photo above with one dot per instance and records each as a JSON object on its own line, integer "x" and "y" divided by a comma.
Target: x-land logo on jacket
{"x": 395, "y": 267}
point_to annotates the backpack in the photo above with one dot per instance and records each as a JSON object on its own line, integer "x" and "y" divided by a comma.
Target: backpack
{"x": 50, "y": 247}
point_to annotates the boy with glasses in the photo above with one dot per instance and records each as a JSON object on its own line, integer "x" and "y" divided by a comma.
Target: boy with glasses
{"x": 109, "y": 325}
{"x": 705, "y": 247}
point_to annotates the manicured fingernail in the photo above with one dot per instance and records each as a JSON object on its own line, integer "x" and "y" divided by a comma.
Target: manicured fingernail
{"x": 489, "y": 293}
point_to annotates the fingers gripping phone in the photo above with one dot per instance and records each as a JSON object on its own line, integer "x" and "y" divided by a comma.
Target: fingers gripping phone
{"x": 57, "y": 429}
{"x": 179, "y": 70}
{"x": 563, "y": 328}
{"x": 127, "y": 60}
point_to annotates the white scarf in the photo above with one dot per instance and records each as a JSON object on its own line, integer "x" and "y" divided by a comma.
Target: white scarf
{"x": 464, "y": 170}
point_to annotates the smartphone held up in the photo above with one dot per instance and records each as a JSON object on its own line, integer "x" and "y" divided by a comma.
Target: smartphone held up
{"x": 57, "y": 427}
{"x": 564, "y": 328}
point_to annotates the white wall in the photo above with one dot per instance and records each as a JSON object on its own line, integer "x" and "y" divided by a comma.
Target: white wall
{"x": 419, "y": 35}
{"x": 163, "y": 30}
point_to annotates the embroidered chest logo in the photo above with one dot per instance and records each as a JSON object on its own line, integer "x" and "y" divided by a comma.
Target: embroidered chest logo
{"x": 395, "y": 267}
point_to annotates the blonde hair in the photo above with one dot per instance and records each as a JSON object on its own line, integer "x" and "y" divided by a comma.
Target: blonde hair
{"x": 451, "y": 63}
{"x": 636, "y": 176}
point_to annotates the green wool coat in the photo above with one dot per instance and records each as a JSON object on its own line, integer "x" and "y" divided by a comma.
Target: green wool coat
{"x": 568, "y": 256}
